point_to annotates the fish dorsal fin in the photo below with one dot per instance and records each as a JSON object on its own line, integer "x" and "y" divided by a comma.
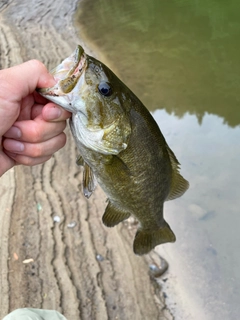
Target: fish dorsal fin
{"x": 89, "y": 181}
{"x": 178, "y": 184}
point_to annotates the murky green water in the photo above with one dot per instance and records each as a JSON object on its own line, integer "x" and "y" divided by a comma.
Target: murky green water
{"x": 182, "y": 59}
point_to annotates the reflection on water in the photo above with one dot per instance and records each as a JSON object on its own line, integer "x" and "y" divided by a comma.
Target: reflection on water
{"x": 204, "y": 262}
{"x": 177, "y": 55}
{"x": 182, "y": 57}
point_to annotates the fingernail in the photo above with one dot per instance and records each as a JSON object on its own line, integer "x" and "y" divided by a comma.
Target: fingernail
{"x": 13, "y": 146}
{"x": 14, "y": 133}
{"x": 54, "y": 113}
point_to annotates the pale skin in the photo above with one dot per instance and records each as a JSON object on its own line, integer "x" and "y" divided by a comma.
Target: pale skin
{"x": 31, "y": 127}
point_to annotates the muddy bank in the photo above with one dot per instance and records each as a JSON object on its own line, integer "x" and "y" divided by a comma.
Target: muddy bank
{"x": 77, "y": 266}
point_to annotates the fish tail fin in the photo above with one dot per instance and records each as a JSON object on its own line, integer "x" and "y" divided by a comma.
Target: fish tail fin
{"x": 146, "y": 239}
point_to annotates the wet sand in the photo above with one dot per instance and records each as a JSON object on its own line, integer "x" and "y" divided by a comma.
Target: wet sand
{"x": 78, "y": 266}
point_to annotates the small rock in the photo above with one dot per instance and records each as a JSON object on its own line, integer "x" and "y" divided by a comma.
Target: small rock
{"x": 56, "y": 219}
{"x": 72, "y": 224}
{"x": 28, "y": 261}
{"x": 158, "y": 270}
{"x": 15, "y": 256}
{"x": 196, "y": 210}
{"x": 99, "y": 257}
{"x": 39, "y": 207}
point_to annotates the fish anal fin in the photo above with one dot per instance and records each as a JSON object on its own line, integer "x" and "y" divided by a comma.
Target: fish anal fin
{"x": 113, "y": 215}
{"x": 178, "y": 184}
{"x": 146, "y": 239}
{"x": 89, "y": 181}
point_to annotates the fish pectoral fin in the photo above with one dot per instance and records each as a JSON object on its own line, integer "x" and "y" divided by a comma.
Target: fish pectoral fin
{"x": 146, "y": 239}
{"x": 89, "y": 181}
{"x": 113, "y": 215}
{"x": 79, "y": 160}
{"x": 178, "y": 184}
{"x": 120, "y": 166}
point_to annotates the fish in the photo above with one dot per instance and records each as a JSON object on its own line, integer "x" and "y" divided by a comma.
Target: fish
{"x": 121, "y": 147}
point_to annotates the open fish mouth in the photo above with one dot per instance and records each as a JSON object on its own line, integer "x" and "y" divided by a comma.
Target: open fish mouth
{"x": 67, "y": 74}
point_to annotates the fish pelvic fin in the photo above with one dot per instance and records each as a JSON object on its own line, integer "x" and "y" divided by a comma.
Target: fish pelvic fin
{"x": 113, "y": 215}
{"x": 146, "y": 239}
{"x": 178, "y": 184}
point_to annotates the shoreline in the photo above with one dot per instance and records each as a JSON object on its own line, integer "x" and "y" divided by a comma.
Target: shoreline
{"x": 119, "y": 286}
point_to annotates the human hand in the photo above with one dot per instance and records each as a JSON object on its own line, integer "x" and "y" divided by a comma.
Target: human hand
{"x": 31, "y": 127}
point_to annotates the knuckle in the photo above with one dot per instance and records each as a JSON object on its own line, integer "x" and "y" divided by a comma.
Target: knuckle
{"x": 28, "y": 161}
{"x": 64, "y": 125}
{"x": 24, "y": 160}
{"x": 36, "y": 134}
{"x": 37, "y": 64}
{"x": 37, "y": 151}
{"x": 64, "y": 139}
{"x": 60, "y": 142}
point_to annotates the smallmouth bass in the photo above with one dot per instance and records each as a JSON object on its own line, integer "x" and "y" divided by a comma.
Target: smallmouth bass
{"x": 121, "y": 147}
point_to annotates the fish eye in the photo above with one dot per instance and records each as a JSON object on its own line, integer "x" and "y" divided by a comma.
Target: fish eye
{"x": 105, "y": 89}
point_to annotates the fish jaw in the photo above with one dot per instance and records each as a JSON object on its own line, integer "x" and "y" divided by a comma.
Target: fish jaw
{"x": 100, "y": 124}
{"x": 69, "y": 76}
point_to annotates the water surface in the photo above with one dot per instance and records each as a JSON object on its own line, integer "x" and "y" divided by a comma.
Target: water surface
{"x": 181, "y": 58}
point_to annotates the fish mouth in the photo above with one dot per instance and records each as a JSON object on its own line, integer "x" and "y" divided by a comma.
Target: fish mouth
{"x": 67, "y": 74}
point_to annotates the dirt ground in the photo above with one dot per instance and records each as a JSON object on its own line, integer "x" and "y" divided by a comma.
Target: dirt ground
{"x": 55, "y": 252}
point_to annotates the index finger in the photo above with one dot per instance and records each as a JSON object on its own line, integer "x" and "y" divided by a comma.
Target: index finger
{"x": 21, "y": 80}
